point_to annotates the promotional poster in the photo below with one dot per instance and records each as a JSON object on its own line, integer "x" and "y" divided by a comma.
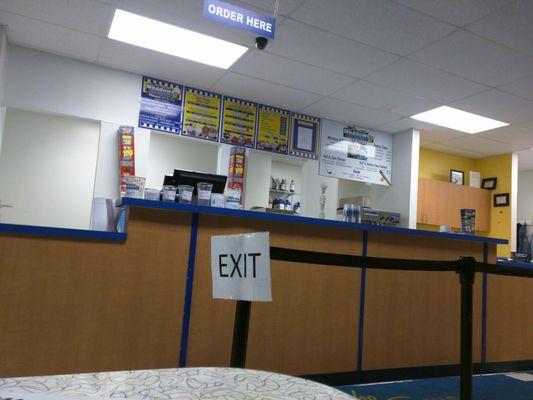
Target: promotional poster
{"x": 348, "y": 152}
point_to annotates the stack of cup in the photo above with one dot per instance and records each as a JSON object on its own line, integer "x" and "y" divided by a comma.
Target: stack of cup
{"x": 204, "y": 193}
{"x": 185, "y": 194}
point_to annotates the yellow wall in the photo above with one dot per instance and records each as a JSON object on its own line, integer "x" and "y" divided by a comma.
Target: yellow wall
{"x": 436, "y": 165}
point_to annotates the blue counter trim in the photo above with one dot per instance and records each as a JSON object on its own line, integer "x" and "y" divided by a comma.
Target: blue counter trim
{"x": 515, "y": 264}
{"x": 301, "y": 220}
{"x": 484, "y": 308}
{"x": 188, "y": 291}
{"x": 362, "y": 306}
{"x": 62, "y": 232}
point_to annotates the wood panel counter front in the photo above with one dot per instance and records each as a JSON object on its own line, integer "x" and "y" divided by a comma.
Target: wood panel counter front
{"x": 73, "y": 305}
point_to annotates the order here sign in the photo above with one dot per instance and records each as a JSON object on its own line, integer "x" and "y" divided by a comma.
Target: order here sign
{"x": 240, "y": 267}
{"x": 240, "y": 18}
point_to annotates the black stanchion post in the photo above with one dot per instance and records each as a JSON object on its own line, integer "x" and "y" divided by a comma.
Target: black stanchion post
{"x": 240, "y": 333}
{"x": 467, "y": 272}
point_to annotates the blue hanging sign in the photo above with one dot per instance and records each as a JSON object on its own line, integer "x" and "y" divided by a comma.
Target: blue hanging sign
{"x": 240, "y": 18}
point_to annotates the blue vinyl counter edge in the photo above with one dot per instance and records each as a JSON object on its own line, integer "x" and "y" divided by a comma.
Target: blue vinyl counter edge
{"x": 30, "y": 230}
{"x": 130, "y": 202}
{"x": 504, "y": 263}
{"x": 126, "y": 201}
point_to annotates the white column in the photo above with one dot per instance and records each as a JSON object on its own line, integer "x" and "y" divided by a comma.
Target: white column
{"x": 514, "y": 199}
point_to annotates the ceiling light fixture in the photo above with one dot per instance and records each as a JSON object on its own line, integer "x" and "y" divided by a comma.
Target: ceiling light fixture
{"x": 459, "y": 120}
{"x": 169, "y": 39}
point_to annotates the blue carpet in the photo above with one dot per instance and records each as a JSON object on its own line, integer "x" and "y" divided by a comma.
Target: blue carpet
{"x": 486, "y": 387}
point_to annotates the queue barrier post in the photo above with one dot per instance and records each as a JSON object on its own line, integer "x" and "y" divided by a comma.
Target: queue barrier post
{"x": 240, "y": 333}
{"x": 467, "y": 272}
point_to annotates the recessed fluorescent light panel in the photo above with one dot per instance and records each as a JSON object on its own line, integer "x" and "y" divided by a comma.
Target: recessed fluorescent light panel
{"x": 169, "y": 39}
{"x": 459, "y": 120}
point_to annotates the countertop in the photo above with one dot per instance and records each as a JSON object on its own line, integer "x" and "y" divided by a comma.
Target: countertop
{"x": 170, "y": 206}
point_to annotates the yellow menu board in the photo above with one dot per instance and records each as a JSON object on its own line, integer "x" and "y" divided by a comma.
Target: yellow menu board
{"x": 201, "y": 114}
{"x": 238, "y": 122}
{"x": 273, "y": 129}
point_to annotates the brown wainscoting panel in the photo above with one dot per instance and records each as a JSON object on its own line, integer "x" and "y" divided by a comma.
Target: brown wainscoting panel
{"x": 70, "y": 306}
{"x": 509, "y": 318}
{"x": 413, "y": 318}
{"x": 312, "y": 324}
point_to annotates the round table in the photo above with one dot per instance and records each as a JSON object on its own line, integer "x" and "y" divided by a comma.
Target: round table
{"x": 169, "y": 384}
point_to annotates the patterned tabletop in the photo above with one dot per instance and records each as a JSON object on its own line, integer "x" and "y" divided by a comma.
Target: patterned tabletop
{"x": 168, "y": 384}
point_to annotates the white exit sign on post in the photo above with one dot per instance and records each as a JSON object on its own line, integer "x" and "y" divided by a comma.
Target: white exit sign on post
{"x": 240, "y": 267}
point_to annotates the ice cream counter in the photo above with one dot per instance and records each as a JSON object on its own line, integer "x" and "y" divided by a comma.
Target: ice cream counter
{"x": 81, "y": 301}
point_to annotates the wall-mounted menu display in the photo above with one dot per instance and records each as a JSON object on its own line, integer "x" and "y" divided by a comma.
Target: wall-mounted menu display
{"x": 161, "y": 105}
{"x": 272, "y": 129}
{"x": 304, "y": 136}
{"x": 355, "y": 154}
{"x": 201, "y": 114}
{"x": 238, "y": 122}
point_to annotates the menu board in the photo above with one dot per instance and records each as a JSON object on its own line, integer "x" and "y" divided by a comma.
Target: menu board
{"x": 161, "y": 105}
{"x": 273, "y": 129}
{"x": 201, "y": 114}
{"x": 355, "y": 154}
{"x": 238, "y": 122}
{"x": 304, "y": 136}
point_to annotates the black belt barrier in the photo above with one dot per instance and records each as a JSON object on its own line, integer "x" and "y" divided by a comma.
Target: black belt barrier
{"x": 466, "y": 267}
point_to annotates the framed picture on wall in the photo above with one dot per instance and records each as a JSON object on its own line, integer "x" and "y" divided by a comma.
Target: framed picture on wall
{"x": 489, "y": 183}
{"x": 457, "y": 177}
{"x": 501, "y": 200}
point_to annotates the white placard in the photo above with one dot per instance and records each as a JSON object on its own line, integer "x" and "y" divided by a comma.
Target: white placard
{"x": 240, "y": 267}
{"x": 355, "y": 154}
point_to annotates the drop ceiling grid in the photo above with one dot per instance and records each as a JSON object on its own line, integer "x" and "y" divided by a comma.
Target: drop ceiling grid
{"x": 427, "y": 23}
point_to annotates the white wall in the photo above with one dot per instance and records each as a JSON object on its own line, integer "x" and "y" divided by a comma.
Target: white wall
{"x": 43, "y": 82}
{"x": 168, "y": 152}
{"x": 257, "y": 181}
{"x": 525, "y": 196}
{"x": 47, "y": 169}
{"x": 3, "y": 64}
{"x": 311, "y": 183}
{"x": 107, "y": 170}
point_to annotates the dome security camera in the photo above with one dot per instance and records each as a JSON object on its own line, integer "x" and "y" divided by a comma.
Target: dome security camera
{"x": 261, "y": 42}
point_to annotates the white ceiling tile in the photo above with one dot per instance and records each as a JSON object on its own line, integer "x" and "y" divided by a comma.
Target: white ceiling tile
{"x": 401, "y": 125}
{"x": 453, "y": 150}
{"x": 480, "y": 144}
{"x": 186, "y": 14}
{"x": 51, "y": 38}
{"x": 498, "y": 105}
{"x": 424, "y": 81}
{"x": 283, "y": 71}
{"x": 456, "y": 12}
{"x": 383, "y": 24}
{"x": 267, "y": 6}
{"x": 350, "y": 113}
{"x": 515, "y": 135}
{"x": 315, "y": 46}
{"x": 475, "y": 58}
{"x": 511, "y": 26}
{"x": 142, "y": 61}
{"x": 521, "y": 87}
{"x": 438, "y": 135}
{"x": 380, "y": 97}
{"x": 89, "y": 16}
{"x": 264, "y": 92}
